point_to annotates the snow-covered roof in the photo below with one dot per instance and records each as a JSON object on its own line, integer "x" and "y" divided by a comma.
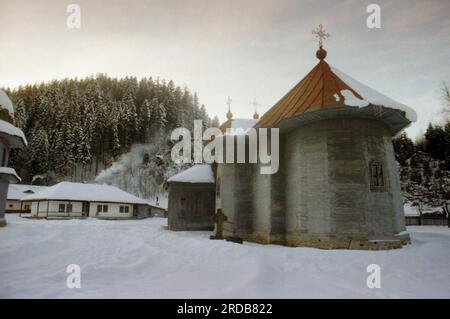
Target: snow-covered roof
{"x": 13, "y": 134}
{"x": 85, "y": 192}
{"x": 201, "y": 173}
{"x": 6, "y": 103}
{"x": 10, "y": 174}
{"x": 370, "y": 96}
{"x": 326, "y": 88}
{"x": 19, "y": 191}
{"x": 237, "y": 126}
{"x": 410, "y": 210}
{"x": 243, "y": 123}
{"x": 160, "y": 201}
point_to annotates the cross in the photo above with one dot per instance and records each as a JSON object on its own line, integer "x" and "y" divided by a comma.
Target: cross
{"x": 320, "y": 34}
{"x": 229, "y": 100}
{"x": 255, "y": 104}
{"x": 219, "y": 219}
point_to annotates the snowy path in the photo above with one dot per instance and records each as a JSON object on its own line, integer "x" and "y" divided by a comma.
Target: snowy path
{"x": 140, "y": 259}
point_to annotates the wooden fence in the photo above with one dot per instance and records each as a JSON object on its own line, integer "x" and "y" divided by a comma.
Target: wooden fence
{"x": 432, "y": 220}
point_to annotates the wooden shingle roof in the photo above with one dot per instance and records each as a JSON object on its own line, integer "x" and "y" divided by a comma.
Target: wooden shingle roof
{"x": 319, "y": 89}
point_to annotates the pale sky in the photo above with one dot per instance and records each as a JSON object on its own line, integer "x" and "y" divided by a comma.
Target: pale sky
{"x": 243, "y": 48}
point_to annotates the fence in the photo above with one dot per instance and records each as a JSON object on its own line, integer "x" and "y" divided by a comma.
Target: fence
{"x": 432, "y": 220}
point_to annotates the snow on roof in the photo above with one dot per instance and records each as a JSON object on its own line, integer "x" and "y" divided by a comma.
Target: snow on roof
{"x": 326, "y": 87}
{"x": 16, "y": 133}
{"x": 159, "y": 200}
{"x": 85, "y": 192}
{"x": 239, "y": 126}
{"x": 370, "y": 96}
{"x": 201, "y": 173}
{"x": 243, "y": 123}
{"x": 410, "y": 210}
{"x": 6, "y": 103}
{"x": 10, "y": 174}
{"x": 19, "y": 191}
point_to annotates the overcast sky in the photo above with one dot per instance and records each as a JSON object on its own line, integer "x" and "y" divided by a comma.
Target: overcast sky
{"x": 243, "y": 48}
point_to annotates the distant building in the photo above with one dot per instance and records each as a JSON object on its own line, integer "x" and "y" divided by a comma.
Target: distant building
{"x": 82, "y": 200}
{"x": 153, "y": 209}
{"x": 430, "y": 216}
{"x": 10, "y": 137}
{"x": 16, "y": 192}
{"x": 191, "y": 199}
{"x": 157, "y": 211}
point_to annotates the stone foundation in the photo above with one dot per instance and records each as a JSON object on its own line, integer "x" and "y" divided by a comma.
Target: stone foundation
{"x": 354, "y": 244}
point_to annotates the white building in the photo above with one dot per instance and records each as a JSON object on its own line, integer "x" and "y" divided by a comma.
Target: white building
{"x": 77, "y": 200}
{"x": 16, "y": 192}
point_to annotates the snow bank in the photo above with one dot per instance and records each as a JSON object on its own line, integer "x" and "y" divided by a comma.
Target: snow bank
{"x": 370, "y": 96}
{"x": 141, "y": 259}
{"x": 85, "y": 192}
{"x": 201, "y": 173}
{"x": 6, "y": 103}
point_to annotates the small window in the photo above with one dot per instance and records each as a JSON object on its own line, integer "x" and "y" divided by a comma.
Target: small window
{"x": 99, "y": 208}
{"x": 183, "y": 199}
{"x": 124, "y": 209}
{"x": 69, "y": 208}
{"x": 27, "y": 207}
{"x": 11, "y": 205}
{"x": 376, "y": 176}
{"x": 105, "y": 208}
{"x": 62, "y": 208}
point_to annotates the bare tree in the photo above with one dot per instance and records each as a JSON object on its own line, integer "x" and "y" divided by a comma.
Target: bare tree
{"x": 446, "y": 97}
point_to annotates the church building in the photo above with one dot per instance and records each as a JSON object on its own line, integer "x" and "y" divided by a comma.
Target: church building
{"x": 337, "y": 185}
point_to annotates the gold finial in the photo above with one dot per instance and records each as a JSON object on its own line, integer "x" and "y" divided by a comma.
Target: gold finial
{"x": 229, "y": 114}
{"x": 321, "y": 35}
{"x": 255, "y": 105}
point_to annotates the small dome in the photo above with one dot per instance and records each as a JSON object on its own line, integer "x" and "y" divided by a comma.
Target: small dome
{"x": 229, "y": 115}
{"x": 321, "y": 53}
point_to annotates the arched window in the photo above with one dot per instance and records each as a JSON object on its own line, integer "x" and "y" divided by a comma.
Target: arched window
{"x": 377, "y": 180}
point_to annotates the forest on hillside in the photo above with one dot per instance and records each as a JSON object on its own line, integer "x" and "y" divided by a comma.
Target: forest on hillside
{"x": 117, "y": 131}
{"x": 78, "y": 127}
{"x": 425, "y": 164}
{"x": 425, "y": 168}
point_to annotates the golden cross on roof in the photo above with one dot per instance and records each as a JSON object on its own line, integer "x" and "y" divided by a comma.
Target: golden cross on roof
{"x": 320, "y": 34}
{"x": 255, "y": 104}
{"x": 229, "y": 100}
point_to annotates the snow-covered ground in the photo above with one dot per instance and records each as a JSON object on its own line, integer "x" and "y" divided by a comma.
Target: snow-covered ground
{"x": 139, "y": 258}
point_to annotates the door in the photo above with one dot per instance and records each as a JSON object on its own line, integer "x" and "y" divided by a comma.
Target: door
{"x": 85, "y": 209}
